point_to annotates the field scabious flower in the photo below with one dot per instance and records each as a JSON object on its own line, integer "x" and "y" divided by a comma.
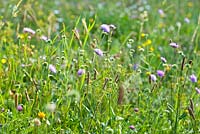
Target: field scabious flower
{"x": 153, "y": 77}
{"x": 193, "y": 78}
{"x": 163, "y": 59}
{"x": 28, "y": 30}
{"x": 41, "y": 115}
{"x": 52, "y": 68}
{"x": 174, "y": 45}
{"x": 160, "y": 73}
{"x": 98, "y": 52}
{"x": 105, "y": 28}
{"x": 80, "y": 72}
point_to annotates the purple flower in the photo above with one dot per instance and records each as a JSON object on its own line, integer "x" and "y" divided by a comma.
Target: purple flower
{"x": 132, "y": 127}
{"x": 52, "y": 68}
{"x": 174, "y": 45}
{"x": 153, "y": 77}
{"x": 105, "y": 28}
{"x": 163, "y": 59}
{"x": 44, "y": 38}
{"x": 161, "y": 12}
{"x": 19, "y": 108}
{"x": 193, "y": 78}
{"x": 187, "y": 20}
{"x": 28, "y": 30}
{"x": 160, "y": 73}
{"x": 98, "y": 52}
{"x": 80, "y": 72}
{"x": 135, "y": 66}
{"x": 198, "y": 90}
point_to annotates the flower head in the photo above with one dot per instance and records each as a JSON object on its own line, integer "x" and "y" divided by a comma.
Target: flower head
{"x": 153, "y": 77}
{"x": 44, "y": 38}
{"x": 105, "y": 28}
{"x": 28, "y": 30}
{"x": 52, "y": 68}
{"x": 132, "y": 127}
{"x": 198, "y": 90}
{"x": 98, "y": 52}
{"x": 51, "y": 107}
{"x": 160, "y": 73}
{"x": 174, "y": 45}
{"x": 36, "y": 122}
{"x": 41, "y": 115}
{"x": 193, "y": 78}
{"x": 3, "y": 61}
{"x": 163, "y": 59}
{"x": 135, "y": 66}
{"x": 186, "y": 20}
{"x": 80, "y": 72}
{"x": 19, "y": 108}
{"x": 136, "y": 109}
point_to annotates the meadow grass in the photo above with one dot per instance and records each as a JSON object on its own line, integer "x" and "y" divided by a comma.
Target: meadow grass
{"x": 99, "y": 66}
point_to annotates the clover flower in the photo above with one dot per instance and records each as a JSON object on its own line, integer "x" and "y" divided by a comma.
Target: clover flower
{"x": 19, "y": 108}
{"x": 36, "y": 122}
{"x": 98, "y": 52}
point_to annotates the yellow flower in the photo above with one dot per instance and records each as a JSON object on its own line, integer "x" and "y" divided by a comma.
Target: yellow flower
{"x": 148, "y": 42}
{"x": 143, "y": 35}
{"x": 167, "y": 68}
{"x": 41, "y": 115}
{"x": 139, "y": 47}
{"x": 190, "y": 4}
{"x": 151, "y": 49}
{"x": 148, "y": 73}
{"x": 3, "y": 61}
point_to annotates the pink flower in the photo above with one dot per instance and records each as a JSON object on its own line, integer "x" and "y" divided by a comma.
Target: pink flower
{"x": 98, "y": 52}
{"x": 52, "y": 68}
{"x": 160, "y": 73}
{"x": 174, "y": 45}
{"x": 28, "y": 30}
{"x": 105, "y": 28}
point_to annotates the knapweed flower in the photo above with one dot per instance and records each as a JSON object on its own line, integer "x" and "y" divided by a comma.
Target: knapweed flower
{"x": 36, "y": 122}
{"x": 160, "y": 73}
{"x": 153, "y": 77}
{"x": 105, "y": 28}
{"x": 163, "y": 59}
{"x": 132, "y": 127}
{"x": 198, "y": 90}
{"x": 80, "y": 72}
{"x": 41, "y": 115}
{"x": 51, "y": 107}
{"x": 174, "y": 45}
{"x": 52, "y": 68}
{"x": 19, "y": 108}
{"x": 28, "y": 30}
{"x": 193, "y": 78}
{"x": 98, "y": 52}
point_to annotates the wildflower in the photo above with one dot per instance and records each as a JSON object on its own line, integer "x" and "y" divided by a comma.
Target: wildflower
{"x": 3, "y": 61}
{"x": 2, "y": 110}
{"x": 19, "y": 108}
{"x": 41, "y": 115}
{"x": 28, "y": 30}
{"x": 193, "y": 78}
{"x": 36, "y": 122}
{"x": 136, "y": 110}
{"x": 51, "y": 107}
{"x": 161, "y": 12}
{"x": 153, "y": 77}
{"x": 160, "y": 73}
{"x": 80, "y": 72}
{"x": 148, "y": 73}
{"x": 163, "y": 59}
{"x": 98, "y": 52}
{"x": 105, "y": 28}
{"x": 52, "y": 68}
{"x": 151, "y": 49}
{"x": 135, "y": 66}
{"x": 44, "y": 38}
{"x": 143, "y": 35}
{"x": 198, "y": 90}
{"x": 132, "y": 127}
{"x": 187, "y": 20}
{"x": 47, "y": 122}
{"x": 174, "y": 45}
